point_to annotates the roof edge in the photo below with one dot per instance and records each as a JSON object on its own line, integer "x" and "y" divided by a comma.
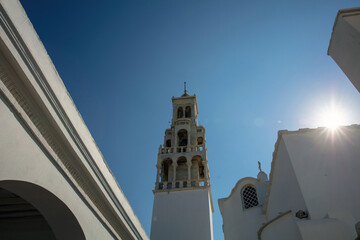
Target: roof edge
{"x": 347, "y": 12}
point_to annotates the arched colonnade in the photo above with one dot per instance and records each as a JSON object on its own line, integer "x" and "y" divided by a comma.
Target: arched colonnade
{"x": 184, "y": 112}
{"x": 182, "y": 143}
{"x": 181, "y": 173}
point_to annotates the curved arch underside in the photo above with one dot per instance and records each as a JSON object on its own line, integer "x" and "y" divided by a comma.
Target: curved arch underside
{"x": 28, "y": 211}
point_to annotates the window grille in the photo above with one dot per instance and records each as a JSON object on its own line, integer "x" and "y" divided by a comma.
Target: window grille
{"x": 250, "y": 197}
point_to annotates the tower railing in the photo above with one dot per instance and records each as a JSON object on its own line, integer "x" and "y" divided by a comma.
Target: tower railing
{"x": 194, "y": 148}
{"x": 167, "y": 185}
{"x": 183, "y": 121}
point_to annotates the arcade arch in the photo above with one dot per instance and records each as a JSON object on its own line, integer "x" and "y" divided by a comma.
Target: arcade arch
{"x": 182, "y": 138}
{"x": 165, "y": 170}
{"x": 28, "y": 211}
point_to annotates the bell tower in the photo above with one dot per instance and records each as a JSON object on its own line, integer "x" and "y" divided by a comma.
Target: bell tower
{"x": 182, "y": 197}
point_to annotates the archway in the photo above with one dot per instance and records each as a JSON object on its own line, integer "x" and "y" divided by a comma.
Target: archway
{"x": 166, "y": 171}
{"x": 182, "y": 138}
{"x": 188, "y": 112}
{"x": 168, "y": 143}
{"x": 28, "y": 211}
{"x": 180, "y": 112}
{"x": 200, "y": 141}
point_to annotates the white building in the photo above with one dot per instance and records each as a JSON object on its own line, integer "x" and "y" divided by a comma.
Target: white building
{"x": 344, "y": 45}
{"x": 182, "y": 197}
{"x": 313, "y": 191}
{"x": 314, "y": 187}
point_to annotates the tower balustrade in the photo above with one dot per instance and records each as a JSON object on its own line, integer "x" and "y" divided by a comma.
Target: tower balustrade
{"x": 194, "y": 148}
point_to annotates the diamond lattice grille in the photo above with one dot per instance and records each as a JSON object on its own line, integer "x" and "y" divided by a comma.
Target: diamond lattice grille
{"x": 250, "y": 197}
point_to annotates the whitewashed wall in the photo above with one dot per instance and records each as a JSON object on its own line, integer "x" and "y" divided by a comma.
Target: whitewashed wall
{"x": 238, "y": 221}
{"x": 179, "y": 215}
{"x": 22, "y": 160}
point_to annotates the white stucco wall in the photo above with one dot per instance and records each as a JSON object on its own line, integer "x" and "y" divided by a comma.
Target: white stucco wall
{"x": 238, "y": 221}
{"x": 179, "y": 215}
{"x": 329, "y": 229}
{"x": 327, "y": 167}
{"x": 285, "y": 228}
{"x": 284, "y": 193}
{"x": 22, "y": 159}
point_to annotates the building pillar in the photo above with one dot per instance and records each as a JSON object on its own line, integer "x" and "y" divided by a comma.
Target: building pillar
{"x": 174, "y": 170}
{"x": 189, "y": 172}
{"x": 176, "y": 144}
{"x": 188, "y": 141}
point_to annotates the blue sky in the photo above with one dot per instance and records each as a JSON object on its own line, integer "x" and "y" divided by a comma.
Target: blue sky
{"x": 256, "y": 67}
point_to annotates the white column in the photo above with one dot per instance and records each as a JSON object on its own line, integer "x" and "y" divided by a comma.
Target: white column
{"x": 174, "y": 170}
{"x": 176, "y": 141}
{"x": 189, "y": 172}
{"x": 188, "y": 141}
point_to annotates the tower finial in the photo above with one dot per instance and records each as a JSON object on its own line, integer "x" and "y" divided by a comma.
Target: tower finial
{"x": 185, "y": 91}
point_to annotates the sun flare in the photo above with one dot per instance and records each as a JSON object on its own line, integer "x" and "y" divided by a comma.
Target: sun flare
{"x": 332, "y": 117}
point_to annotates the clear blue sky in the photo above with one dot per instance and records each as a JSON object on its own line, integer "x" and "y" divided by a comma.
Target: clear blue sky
{"x": 256, "y": 67}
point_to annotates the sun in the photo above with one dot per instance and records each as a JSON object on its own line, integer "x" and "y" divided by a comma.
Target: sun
{"x": 332, "y": 117}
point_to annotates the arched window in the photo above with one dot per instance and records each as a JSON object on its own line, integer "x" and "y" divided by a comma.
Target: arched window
{"x": 168, "y": 143}
{"x": 249, "y": 197}
{"x": 201, "y": 171}
{"x": 200, "y": 141}
{"x": 180, "y": 112}
{"x": 188, "y": 112}
{"x": 165, "y": 170}
{"x": 183, "y": 138}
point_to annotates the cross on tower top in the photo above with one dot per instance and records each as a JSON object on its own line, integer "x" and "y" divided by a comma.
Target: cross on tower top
{"x": 185, "y": 91}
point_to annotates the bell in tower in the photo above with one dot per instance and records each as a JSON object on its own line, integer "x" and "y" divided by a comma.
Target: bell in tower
{"x": 182, "y": 197}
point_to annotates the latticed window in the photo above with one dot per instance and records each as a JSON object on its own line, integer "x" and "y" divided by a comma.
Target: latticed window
{"x": 250, "y": 198}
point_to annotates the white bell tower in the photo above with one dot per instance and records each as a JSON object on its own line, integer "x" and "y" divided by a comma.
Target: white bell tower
{"x": 182, "y": 198}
